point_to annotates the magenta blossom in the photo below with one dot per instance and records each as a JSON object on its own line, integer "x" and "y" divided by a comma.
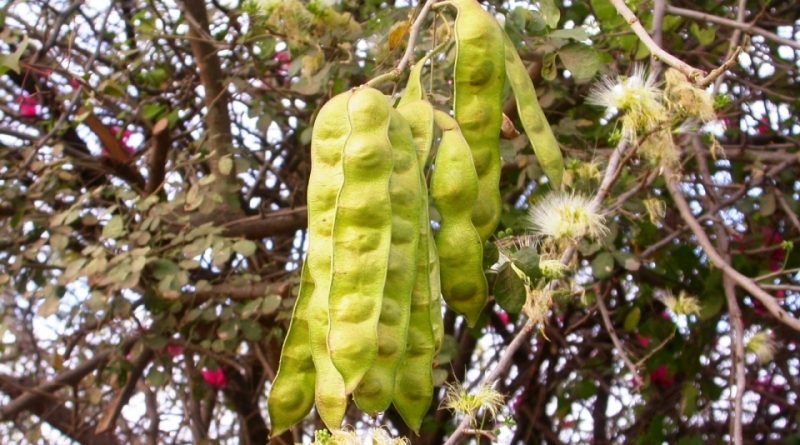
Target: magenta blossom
{"x": 215, "y": 379}
{"x": 174, "y": 350}
{"x": 660, "y": 377}
{"x": 124, "y": 137}
{"x": 28, "y": 106}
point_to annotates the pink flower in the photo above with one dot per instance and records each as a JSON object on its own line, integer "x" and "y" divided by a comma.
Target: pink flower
{"x": 174, "y": 350}
{"x": 643, "y": 341}
{"x": 28, "y": 106}
{"x": 285, "y": 60}
{"x": 215, "y": 379}
{"x": 124, "y": 137}
{"x": 74, "y": 83}
{"x": 503, "y": 318}
{"x": 763, "y": 126}
{"x": 517, "y": 402}
{"x": 759, "y": 309}
{"x": 661, "y": 377}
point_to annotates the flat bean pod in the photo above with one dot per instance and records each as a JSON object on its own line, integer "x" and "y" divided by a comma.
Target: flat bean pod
{"x": 331, "y": 132}
{"x": 479, "y": 78}
{"x": 532, "y": 117}
{"x": 419, "y": 115}
{"x": 292, "y": 393}
{"x": 414, "y": 380}
{"x": 437, "y": 323}
{"x": 374, "y": 393}
{"x": 454, "y": 189}
{"x": 361, "y": 237}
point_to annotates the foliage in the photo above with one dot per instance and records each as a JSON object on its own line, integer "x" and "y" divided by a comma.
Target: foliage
{"x": 154, "y": 159}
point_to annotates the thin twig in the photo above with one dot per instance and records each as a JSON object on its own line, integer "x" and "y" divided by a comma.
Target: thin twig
{"x": 114, "y": 409}
{"x": 744, "y": 282}
{"x": 748, "y": 28}
{"x": 653, "y": 351}
{"x": 786, "y": 209}
{"x": 691, "y": 72}
{"x": 614, "y": 339}
{"x": 413, "y": 33}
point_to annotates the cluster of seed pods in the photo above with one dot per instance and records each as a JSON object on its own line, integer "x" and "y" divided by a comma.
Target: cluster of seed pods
{"x": 367, "y": 322}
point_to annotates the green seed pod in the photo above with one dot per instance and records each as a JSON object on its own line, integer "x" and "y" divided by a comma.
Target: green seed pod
{"x": 414, "y": 380}
{"x": 331, "y": 131}
{"x": 292, "y": 393}
{"x": 419, "y": 115}
{"x": 478, "y": 101}
{"x": 437, "y": 323}
{"x": 374, "y": 393}
{"x": 362, "y": 236}
{"x": 533, "y": 119}
{"x": 454, "y": 189}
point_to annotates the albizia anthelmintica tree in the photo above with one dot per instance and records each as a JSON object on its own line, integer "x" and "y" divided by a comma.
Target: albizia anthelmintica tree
{"x": 639, "y": 272}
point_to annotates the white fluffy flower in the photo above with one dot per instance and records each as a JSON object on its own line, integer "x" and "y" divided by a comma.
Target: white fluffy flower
{"x": 565, "y": 216}
{"x": 635, "y": 96}
{"x": 684, "y": 304}
{"x": 762, "y": 345}
{"x": 459, "y": 400}
{"x": 552, "y": 269}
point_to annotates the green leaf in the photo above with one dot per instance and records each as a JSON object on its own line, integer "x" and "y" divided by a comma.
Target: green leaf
{"x": 448, "y": 351}
{"x": 225, "y": 165}
{"x": 153, "y": 111}
{"x": 627, "y": 260}
{"x": 550, "y": 12}
{"x": 584, "y": 389}
{"x": 194, "y": 198}
{"x": 114, "y": 228}
{"x": 689, "y": 400}
{"x": 221, "y": 256}
{"x": 575, "y": 34}
{"x": 603, "y": 265}
{"x": 227, "y": 330}
{"x": 163, "y": 268}
{"x": 766, "y": 204}
{"x": 581, "y": 60}
{"x": 439, "y": 376}
{"x": 705, "y": 36}
{"x": 156, "y": 377}
{"x": 632, "y": 319}
{"x": 606, "y": 14}
{"x": 691, "y": 440}
{"x": 251, "y": 329}
{"x": 49, "y": 307}
{"x": 509, "y": 291}
{"x": 251, "y": 308}
{"x": 11, "y": 61}
{"x": 271, "y": 304}
{"x": 244, "y": 247}
{"x": 527, "y": 260}
{"x": 549, "y": 66}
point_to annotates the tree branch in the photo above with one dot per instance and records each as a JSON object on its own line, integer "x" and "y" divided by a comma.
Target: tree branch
{"x": 215, "y": 96}
{"x": 281, "y": 222}
{"x": 57, "y": 415}
{"x": 46, "y": 390}
{"x": 746, "y": 27}
{"x": 413, "y": 33}
{"x": 115, "y": 408}
{"x": 744, "y": 282}
{"x": 158, "y": 155}
{"x": 614, "y": 339}
{"x": 691, "y": 72}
